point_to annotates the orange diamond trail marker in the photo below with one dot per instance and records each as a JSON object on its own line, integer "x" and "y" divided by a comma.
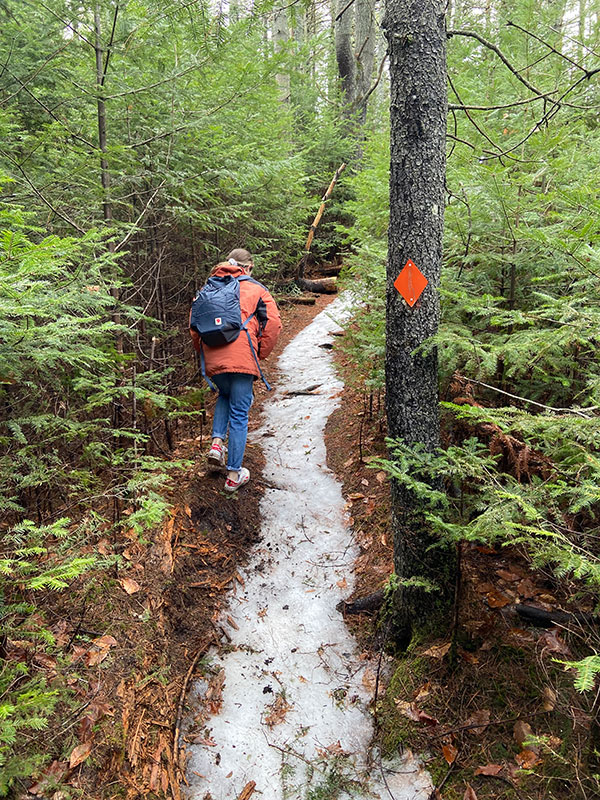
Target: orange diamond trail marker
{"x": 411, "y": 282}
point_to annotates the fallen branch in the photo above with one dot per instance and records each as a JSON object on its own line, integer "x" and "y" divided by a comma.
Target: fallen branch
{"x": 323, "y": 286}
{"x": 546, "y": 619}
{"x": 199, "y": 653}
{"x": 247, "y": 791}
{"x": 327, "y": 285}
{"x": 297, "y": 300}
{"x": 308, "y": 390}
{"x": 363, "y": 605}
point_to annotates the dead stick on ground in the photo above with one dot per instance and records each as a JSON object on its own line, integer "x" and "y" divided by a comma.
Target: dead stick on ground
{"x": 200, "y": 652}
{"x": 247, "y": 791}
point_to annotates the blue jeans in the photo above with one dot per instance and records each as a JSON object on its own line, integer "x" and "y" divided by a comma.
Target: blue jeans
{"x": 231, "y": 411}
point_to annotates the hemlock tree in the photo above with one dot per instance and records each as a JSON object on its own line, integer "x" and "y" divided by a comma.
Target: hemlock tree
{"x": 416, "y": 35}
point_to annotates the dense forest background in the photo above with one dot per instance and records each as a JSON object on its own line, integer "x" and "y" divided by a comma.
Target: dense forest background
{"x": 140, "y": 141}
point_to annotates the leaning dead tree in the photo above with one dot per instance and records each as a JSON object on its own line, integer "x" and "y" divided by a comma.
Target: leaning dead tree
{"x": 323, "y": 285}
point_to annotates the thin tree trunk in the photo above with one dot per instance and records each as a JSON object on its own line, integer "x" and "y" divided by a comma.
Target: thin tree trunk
{"x": 417, "y": 48}
{"x": 365, "y": 54}
{"x": 344, "y": 14}
{"x": 107, "y": 208}
{"x": 281, "y": 35}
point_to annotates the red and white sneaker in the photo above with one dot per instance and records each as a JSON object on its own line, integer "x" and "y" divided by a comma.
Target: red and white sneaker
{"x": 243, "y": 477}
{"x": 217, "y": 455}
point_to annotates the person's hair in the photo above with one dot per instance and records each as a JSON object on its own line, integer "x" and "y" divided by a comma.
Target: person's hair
{"x": 241, "y": 256}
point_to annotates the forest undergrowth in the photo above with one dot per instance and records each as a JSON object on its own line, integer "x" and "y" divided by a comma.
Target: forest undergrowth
{"x": 492, "y": 700}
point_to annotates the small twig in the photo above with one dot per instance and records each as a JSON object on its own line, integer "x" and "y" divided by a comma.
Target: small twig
{"x": 438, "y": 789}
{"x": 580, "y": 412}
{"x": 200, "y": 652}
{"x": 486, "y": 724}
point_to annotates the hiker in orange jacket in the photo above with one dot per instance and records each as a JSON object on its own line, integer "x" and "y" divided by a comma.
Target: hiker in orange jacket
{"x": 233, "y": 368}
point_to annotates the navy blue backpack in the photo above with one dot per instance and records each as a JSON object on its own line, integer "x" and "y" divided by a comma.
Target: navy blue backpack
{"x": 217, "y": 317}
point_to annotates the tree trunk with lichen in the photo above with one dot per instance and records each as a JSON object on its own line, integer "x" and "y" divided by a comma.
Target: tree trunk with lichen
{"x": 415, "y": 31}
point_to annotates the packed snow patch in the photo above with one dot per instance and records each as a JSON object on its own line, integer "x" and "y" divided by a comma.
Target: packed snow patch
{"x": 293, "y": 691}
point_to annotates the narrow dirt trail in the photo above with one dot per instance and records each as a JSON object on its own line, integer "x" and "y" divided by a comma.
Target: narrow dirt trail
{"x": 285, "y": 705}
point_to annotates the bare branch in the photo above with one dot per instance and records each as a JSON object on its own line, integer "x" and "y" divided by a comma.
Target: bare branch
{"x": 343, "y": 11}
{"x": 552, "y": 49}
{"x": 46, "y": 202}
{"x": 34, "y": 74}
{"x": 109, "y": 45}
{"x": 52, "y": 114}
{"x": 580, "y": 412}
{"x": 471, "y": 120}
{"x": 368, "y": 94}
{"x": 134, "y": 227}
{"x": 67, "y": 24}
{"x": 462, "y": 107}
{"x": 499, "y": 53}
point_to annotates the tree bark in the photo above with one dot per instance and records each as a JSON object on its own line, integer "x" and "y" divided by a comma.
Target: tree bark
{"x": 416, "y": 36}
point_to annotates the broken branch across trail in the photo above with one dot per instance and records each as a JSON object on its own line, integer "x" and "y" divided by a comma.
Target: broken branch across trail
{"x": 326, "y": 285}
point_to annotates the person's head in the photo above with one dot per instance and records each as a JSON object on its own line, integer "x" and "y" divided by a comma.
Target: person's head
{"x": 241, "y": 258}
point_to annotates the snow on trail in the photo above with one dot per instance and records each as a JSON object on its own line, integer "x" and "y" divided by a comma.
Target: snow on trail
{"x": 294, "y": 715}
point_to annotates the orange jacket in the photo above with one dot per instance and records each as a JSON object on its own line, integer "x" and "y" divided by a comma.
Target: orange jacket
{"x": 237, "y": 356}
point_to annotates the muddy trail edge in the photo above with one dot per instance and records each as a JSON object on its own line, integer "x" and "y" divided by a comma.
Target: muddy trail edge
{"x": 283, "y": 707}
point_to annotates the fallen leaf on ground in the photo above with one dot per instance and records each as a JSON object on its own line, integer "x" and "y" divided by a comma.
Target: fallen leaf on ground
{"x": 277, "y": 711}
{"x": 506, "y": 575}
{"x": 478, "y": 722}
{"x": 79, "y": 754}
{"x": 548, "y": 699}
{"x": 105, "y": 641}
{"x": 496, "y": 599}
{"x": 489, "y": 769}
{"x": 411, "y": 711}
{"x": 521, "y": 634}
{"x": 450, "y": 752}
{"x": 469, "y": 793}
{"x": 369, "y": 680}
{"x": 527, "y": 759}
{"x": 553, "y": 643}
{"x": 355, "y": 496}
{"x": 438, "y": 650}
{"x": 214, "y": 693}
{"x": 521, "y": 731}
{"x": 342, "y": 584}
{"x": 334, "y": 749}
{"x": 130, "y": 586}
{"x": 52, "y": 775}
{"x": 422, "y": 692}
{"x": 526, "y": 588}
{"x": 206, "y": 741}
{"x": 470, "y": 658}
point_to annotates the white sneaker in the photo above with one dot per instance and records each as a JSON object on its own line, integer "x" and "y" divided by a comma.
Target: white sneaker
{"x": 243, "y": 477}
{"x": 217, "y": 455}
